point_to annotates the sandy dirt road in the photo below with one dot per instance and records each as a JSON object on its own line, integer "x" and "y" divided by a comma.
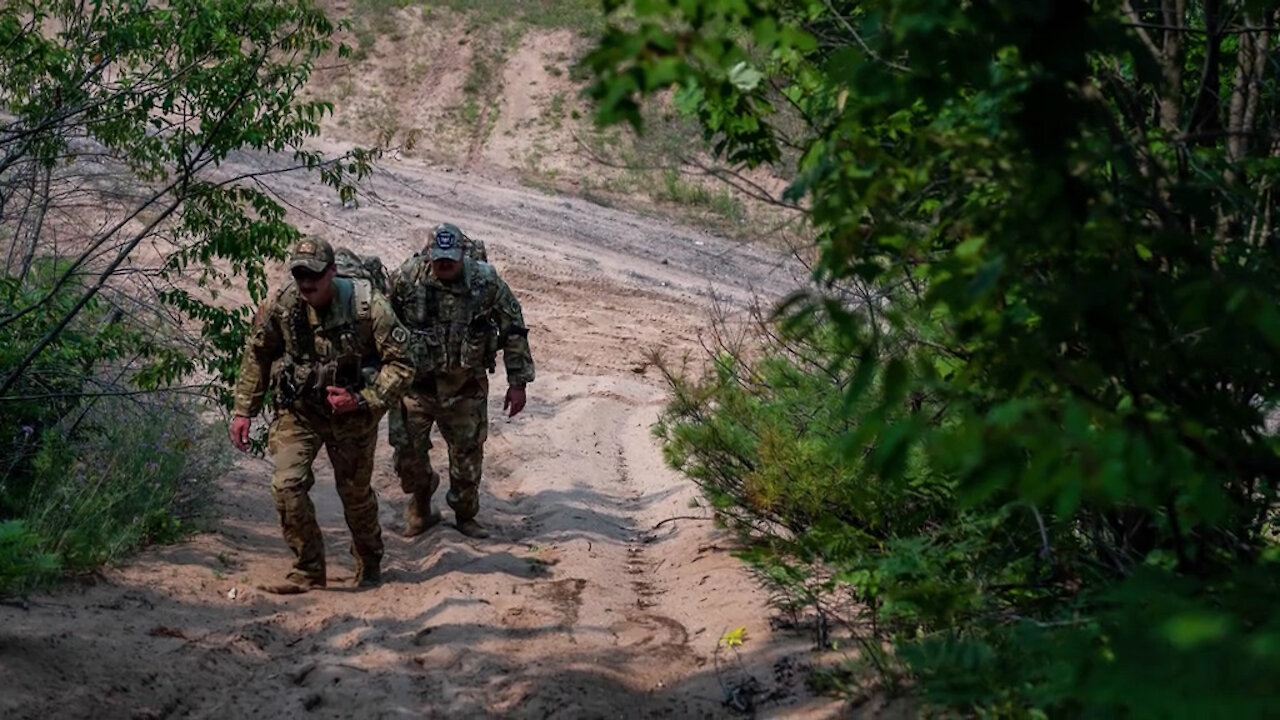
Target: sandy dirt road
{"x": 585, "y": 603}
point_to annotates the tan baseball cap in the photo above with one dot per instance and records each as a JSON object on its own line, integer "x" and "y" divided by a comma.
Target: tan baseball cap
{"x": 311, "y": 254}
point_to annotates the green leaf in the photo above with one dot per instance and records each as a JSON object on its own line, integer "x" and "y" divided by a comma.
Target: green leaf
{"x": 1189, "y": 630}
{"x": 734, "y": 638}
{"x": 744, "y": 77}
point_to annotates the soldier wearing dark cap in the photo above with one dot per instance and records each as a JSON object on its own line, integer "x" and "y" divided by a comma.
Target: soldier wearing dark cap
{"x": 340, "y": 359}
{"x": 459, "y": 314}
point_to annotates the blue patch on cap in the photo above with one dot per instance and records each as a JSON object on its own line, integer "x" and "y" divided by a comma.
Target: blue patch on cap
{"x": 445, "y": 240}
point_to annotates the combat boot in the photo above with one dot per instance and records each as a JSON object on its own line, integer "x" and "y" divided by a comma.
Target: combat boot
{"x": 473, "y": 529}
{"x": 368, "y": 572}
{"x": 295, "y": 583}
{"x": 419, "y": 517}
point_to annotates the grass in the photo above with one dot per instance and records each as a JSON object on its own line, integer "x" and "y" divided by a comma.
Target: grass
{"x": 555, "y": 111}
{"x": 375, "y": 18}
{"x": 649, "y": 165}
{"x": 344, "y": 88}
{"x": 478, "y": 112}
{"x": 481, "y": 73}
{"x": 381, "y": 118}
{"x": 374, "y": 6}
{"x": 132, "y": 474}
{"x": 682, "y": 192}
{"x": 584, "y": 16}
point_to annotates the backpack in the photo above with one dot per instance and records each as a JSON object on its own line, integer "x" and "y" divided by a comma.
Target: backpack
{"x": 363, "y": 267}
{"x": 474, "y": 248}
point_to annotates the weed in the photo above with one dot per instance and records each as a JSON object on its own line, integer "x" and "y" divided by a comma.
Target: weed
{"x": 582, "y": 16}
{"x": 555, "y": 110}
{"x": 22, "y": 562}
{"x": 344, "y": 88}
{"x": 480, "y": 76}
{"x": 131, "y": 474}
{"x": 469, "y": 111}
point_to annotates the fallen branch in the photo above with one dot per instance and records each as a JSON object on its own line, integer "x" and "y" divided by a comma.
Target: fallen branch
{"x": 679, "y": 517}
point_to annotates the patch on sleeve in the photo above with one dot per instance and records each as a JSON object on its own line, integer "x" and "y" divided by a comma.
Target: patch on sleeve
{"x": 399, "y": 335}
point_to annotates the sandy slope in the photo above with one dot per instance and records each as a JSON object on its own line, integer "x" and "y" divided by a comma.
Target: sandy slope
{"x": 584, "y": 604}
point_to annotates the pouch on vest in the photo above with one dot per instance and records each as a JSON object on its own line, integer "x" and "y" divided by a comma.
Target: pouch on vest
{"x": 479, "y": 337}
{"x": 427, "y": 349}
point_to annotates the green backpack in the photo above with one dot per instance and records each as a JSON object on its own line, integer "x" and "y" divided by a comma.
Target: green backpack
{"x": 364, "y": 267}
{"x": 474, "y": 248}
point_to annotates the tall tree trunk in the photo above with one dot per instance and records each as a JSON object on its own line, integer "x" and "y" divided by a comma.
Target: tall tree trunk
{"x": 1174, "y": 13}
{"x": 1205, "y": 124}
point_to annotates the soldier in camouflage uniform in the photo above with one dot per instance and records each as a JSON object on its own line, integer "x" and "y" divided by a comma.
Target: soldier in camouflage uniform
{"x": 340, "y": 358}
{"x": 459, "y": 314}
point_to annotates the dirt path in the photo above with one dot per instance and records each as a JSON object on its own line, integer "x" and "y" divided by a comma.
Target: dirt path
{"x": 584, "y": 604}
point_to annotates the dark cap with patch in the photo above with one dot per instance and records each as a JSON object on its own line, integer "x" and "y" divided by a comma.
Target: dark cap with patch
{"x": 446, "y": 242}
{"x": 311, "y": 254}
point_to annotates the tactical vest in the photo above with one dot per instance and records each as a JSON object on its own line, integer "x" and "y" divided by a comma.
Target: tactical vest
{"x": 450, "y": 332}
{"x": 340, "y": 350}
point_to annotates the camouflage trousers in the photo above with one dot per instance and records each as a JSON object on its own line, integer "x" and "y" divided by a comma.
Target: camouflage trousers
{"x": 294, "y": 440}
{"x": 463, "y": 419}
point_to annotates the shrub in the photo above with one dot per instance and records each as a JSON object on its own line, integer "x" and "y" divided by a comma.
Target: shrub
{"x": 22, "y": 563}
{"x": 993, "y": 606}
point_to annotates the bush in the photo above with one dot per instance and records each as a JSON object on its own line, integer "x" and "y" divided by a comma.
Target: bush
{"x": 1045, "y": 232}
{"x": 993, "y": 606}
{"x": 92, "y": 468}
{"x": 133, "y": 473}
{"x": 127, "y": 472}
{"x": 121, "y": 232}
{"x": 130, "y": 477}
{"x": 22, "y": 564}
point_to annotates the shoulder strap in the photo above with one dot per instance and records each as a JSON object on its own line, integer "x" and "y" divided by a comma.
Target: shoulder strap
{"x": 483, "y": 287}
{"x": 361, "y": 299}
{"x": 297, "y": 326}
{"x": 426, "y": 304}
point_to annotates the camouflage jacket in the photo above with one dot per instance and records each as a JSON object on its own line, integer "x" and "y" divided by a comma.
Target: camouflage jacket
{"x": 356, "y": 342}
{"x": 458, "y": 327}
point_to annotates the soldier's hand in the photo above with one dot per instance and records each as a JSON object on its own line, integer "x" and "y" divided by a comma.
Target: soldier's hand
{"x": 240, "y": 432}
{"x": 342, "y": 400}
{"x": 514, "y": 401}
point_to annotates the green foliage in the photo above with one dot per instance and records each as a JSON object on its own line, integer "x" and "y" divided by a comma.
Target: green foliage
{"x": 1047, "y": 263}
{"x": 580, "y": 15}
{"x": 133, "y": 472}
{"x": 678, "y": 190}
{"x": 161, "y": 97}
{"x": 135, "y": 139}
{"x": 22, "y": 564}
{"x": 59, "y": 379}
{"x": 372, "y": 18}
{"x": 988, "y": 605}
{"x": 781, "y": 453}
{"x": 98, "y": 498}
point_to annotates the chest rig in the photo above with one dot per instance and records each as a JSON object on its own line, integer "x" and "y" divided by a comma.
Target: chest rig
{"x": 336, "y": 349}
{"x": 453, "y": 328}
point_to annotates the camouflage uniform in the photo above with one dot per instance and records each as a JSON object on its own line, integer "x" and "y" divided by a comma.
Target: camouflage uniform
{"x": 456, "y": 329}
{"x": 356, "y": 341}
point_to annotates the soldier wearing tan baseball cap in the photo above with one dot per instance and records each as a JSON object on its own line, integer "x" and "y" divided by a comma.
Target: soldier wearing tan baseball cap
{"x": 311, "y": 254}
